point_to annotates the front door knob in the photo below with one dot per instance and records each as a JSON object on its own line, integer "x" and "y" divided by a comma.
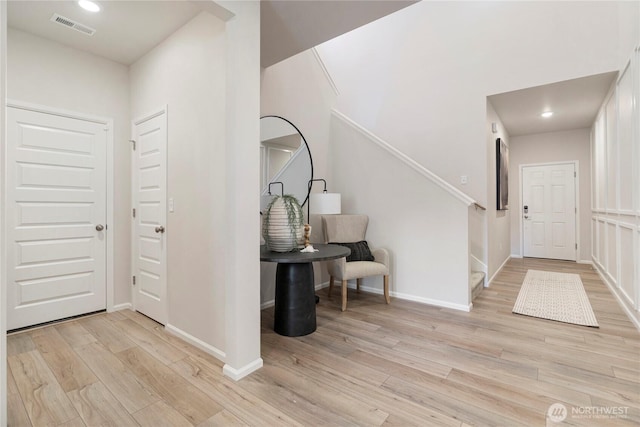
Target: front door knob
{"x": 99, "y": 227}
{"x": 160, "y": 229}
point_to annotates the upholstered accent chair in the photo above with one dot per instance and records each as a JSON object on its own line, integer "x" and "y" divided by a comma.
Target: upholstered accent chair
{"x": 352, "y": 229}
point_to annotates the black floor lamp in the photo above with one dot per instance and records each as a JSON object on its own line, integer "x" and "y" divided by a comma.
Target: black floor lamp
{"x": 323, "y": 204}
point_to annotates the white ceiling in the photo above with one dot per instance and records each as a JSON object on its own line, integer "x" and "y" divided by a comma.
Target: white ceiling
{"x": 574, "y": 103}
{"x": 126, "y": 30}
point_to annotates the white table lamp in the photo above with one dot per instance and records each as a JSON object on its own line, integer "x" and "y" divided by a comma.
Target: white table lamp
{"x": 325, "y": 203}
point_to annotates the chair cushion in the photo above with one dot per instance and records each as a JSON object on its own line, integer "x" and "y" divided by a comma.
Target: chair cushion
{"x": 359, "y": 269}
{"x": 359, "y": 251}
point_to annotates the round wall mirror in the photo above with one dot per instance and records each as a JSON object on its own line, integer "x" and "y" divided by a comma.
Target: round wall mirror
{"x": 285, "y": 158}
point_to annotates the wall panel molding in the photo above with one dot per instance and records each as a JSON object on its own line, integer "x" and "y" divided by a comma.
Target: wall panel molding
{"x": 615, "y": 220}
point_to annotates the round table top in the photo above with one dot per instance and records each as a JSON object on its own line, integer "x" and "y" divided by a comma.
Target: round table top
{"x": 325, "y": 252}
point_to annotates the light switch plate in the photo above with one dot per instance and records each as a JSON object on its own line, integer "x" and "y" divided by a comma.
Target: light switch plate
{"x": 464, "y": 179}
{"x": 171, "y": 204}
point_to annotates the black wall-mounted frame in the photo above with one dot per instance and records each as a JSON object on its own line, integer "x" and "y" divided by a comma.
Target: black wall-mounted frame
{"x": 502, "y": 175}
{"x": 306, "y": 200}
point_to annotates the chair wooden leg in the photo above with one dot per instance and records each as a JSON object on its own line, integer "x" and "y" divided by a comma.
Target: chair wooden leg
{"x": 330, "y": 286}
{"x": 344, "y": 295}
{"x": 358, "y": 282}
{"x": 386, "y": 288}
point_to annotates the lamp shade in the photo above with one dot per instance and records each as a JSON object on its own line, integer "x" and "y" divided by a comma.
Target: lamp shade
{"x": 325, "y": 203}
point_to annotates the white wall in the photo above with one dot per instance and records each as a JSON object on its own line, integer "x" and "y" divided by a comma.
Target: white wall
{"x": 47, "y": 73}
{"x": 628, "y": 31}
{"x": 615, "y": 207}
{"x": 418, "y": 78}
{"x": 187, "y": 72}
{"x": 298, "y": 90}
{"x": 498, "y": 222}
{"x": 3, "y": 285}
{"x": 422, "y": 226}
{"x": 242, "y": 133}
{"x": 549, "y": 148}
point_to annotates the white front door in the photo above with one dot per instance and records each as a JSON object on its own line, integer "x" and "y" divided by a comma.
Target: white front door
{"x": 549, "y": 211}
{"x": 56, "y": 213}
{"x": 150, "y": 215}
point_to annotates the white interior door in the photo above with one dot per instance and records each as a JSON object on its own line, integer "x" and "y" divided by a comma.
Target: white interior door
{"x": 549, "y": 211}
{"x": 150, "y": 216}
{"x": 56, "y": 212}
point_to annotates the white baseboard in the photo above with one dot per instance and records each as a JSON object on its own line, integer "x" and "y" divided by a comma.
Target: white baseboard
{"x": 633, "y": 316}
{"x": 498, "y": 270}
{"x": 207, "y": 348}
{"x": 429, "y": 301}
{"x": 238, "y": 374}
{"x": 352, "y": 285}
{"x": 118, "y": 307}
{"x": 582, "y": 261}
{"x": 272, "y": 302}
{"x": 322, "y": 285}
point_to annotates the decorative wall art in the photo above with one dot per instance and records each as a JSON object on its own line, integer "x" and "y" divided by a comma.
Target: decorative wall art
{"x": 502, "y": 174}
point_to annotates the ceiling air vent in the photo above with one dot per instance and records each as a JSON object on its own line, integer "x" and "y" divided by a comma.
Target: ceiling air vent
{"x": 70, "y": 23}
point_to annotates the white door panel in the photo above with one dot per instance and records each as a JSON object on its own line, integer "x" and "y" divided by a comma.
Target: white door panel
{"x": 149, "y": 192}
{"x": 56, "y": 195}
{"x": 548, "y": 192}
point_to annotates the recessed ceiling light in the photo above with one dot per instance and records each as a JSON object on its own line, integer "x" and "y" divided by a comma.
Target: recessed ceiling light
{"x": 89, "y": 5}
{"x": 547, "y": 114}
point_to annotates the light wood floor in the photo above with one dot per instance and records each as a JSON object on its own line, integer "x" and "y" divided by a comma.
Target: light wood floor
{"x": 375, "y": 364}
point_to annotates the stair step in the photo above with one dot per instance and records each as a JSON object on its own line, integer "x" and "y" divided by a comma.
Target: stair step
{"x": 476, "y": 282}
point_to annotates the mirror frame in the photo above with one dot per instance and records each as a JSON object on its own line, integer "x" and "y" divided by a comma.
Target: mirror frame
{"x": 306, "y": 200}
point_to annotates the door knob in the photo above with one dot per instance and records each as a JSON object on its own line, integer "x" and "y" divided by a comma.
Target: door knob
{"x": 160, "y": 229}
{"x": 99, "y": 227}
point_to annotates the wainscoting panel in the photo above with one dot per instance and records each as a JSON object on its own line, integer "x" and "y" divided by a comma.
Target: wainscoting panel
{"x": 594, "y": 240}
{"x": 615, "y": 153}
{"x": 602, "y": 241}
{"x": 612, "y": 252}
{"x": 627, "y": 264}
{"x": 624, "y": 138}
{"x": 612, "y": 153}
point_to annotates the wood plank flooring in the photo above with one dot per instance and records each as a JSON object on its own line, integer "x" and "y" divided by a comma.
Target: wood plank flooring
{"x": 401, "y": 364}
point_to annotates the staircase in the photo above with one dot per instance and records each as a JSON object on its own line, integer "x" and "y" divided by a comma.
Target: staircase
{"x": 465, "y": 227}
{"x": 476, "y": 282}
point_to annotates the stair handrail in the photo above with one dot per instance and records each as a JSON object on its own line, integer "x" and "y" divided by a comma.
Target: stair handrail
{"x": 461, "y": 196}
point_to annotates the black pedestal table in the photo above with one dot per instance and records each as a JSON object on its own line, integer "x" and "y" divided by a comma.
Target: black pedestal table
{"x": 295, "y": 309}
